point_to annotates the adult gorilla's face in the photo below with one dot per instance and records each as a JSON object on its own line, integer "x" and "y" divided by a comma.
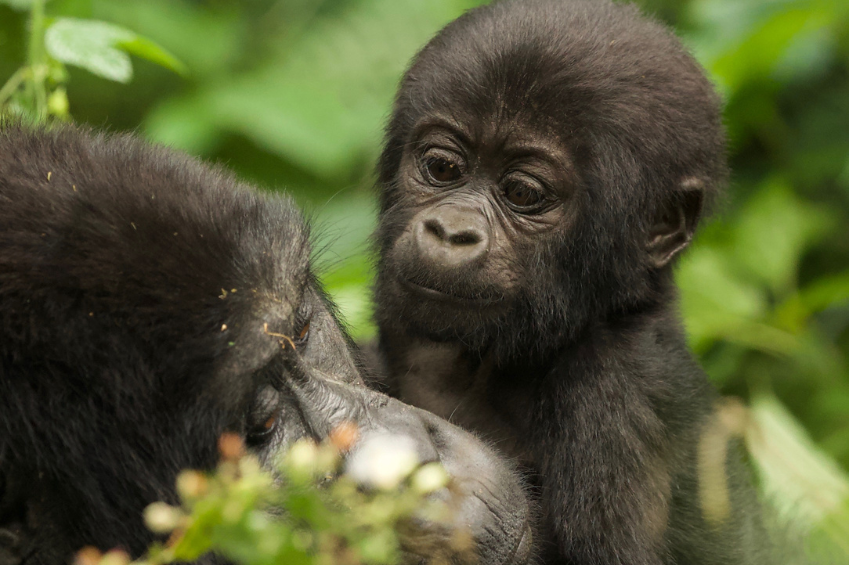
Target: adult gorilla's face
{"x": 148, "y": 304}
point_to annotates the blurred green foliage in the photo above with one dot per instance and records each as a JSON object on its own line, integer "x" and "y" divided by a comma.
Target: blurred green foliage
{"x": 309, "y": 511}
{"x": 293, "y": 94}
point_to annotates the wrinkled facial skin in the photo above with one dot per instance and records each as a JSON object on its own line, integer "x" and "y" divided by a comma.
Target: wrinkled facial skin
{"x": 472, "y": 210}
{"x": 150, "y": 303}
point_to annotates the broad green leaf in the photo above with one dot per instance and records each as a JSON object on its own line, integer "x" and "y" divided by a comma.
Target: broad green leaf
{"x": 20, "y": 5}
{"x": 102, "y": 48}
{"x": 147, "y": 49}
{"x": 324, "y": 104}
{"x": 207, "y": 39}
{"x": 797, "y": 476}
{"x": 774, "y": 230}
{"x": 91, "y": 45}
{"x": 715, "y": 302}
{"x": 759, "y": 53}
{"x": 823, "y": 293}
{"x": 826, "y": 292}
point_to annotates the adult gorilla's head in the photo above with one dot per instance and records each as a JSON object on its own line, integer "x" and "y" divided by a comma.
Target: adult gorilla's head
{"x": 149, "y": 303}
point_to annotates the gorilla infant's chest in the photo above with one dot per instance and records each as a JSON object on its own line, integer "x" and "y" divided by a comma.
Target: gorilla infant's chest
{"x": 445, "y": 380}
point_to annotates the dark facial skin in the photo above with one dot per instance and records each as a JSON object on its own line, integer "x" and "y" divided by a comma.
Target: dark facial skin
{"x": 144, "y": 300}
{"x": 545, "y": 163}
{"x": 471, "y": 199}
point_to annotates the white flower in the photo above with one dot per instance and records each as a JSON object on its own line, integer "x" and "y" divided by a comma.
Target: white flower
{"x": 382, "y": 460}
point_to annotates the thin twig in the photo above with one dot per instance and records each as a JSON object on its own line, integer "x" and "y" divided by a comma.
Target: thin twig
{"x": 282, "y": 337}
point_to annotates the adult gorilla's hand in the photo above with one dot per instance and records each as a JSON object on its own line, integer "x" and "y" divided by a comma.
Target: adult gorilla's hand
{"x": 485, "y": 492}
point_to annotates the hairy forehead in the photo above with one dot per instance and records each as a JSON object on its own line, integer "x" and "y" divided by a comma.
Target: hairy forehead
{"x": 129, "y": 227}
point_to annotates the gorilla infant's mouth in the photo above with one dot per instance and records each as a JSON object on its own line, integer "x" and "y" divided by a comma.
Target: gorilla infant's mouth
{"x": 442, "y": 296}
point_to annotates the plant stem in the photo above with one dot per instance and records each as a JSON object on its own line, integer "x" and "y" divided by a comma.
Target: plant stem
{"x": 13, "y": 83}
{"x": 36, "y": 58}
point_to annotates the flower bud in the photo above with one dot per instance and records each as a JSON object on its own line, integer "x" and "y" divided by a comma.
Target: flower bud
{"x": 88, "y": 556}
{"x": 430, "y": 478}
{"x": 115, "y": 557}
{"x": 344, "y": 436}
{"x": 191, "y": 485}
{"x": 162, "y": 518}
{"x": 231, "y": 446}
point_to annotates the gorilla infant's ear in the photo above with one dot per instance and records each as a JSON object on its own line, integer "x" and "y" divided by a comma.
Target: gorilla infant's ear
{"x": 675, "y": 223}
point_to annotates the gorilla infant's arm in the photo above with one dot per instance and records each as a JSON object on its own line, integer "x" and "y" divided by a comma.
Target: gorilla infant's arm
{"x": 545, "y": 162}
{"x": 139, "y": 291}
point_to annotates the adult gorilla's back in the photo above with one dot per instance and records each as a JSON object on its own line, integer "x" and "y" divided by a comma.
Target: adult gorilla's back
{"x": 139, "y": 291}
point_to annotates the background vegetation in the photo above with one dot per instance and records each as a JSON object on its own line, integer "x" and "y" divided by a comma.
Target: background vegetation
{"x": 293, "y": 94}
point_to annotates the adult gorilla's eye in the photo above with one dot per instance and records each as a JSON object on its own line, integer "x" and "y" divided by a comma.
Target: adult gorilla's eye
{"x": 263, "y": 416}
{"x": 304, "y": 335}
{"x": 440, "y": 168}
{"x": 522, "y": 196}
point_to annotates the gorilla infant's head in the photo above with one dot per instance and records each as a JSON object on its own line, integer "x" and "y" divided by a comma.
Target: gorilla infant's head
{"x": 545, "y": 161}
{"x": 144, "y": 297}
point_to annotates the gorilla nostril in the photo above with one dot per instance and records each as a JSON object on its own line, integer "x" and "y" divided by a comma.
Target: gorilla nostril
{"x": 449, "y": 237}
{"x": 433, "y": 227}
{"x": 465, "y": 237}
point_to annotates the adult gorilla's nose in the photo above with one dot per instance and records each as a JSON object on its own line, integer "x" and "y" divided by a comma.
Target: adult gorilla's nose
{"x": 452, "y": 236}
{"x": 326, "y": 403}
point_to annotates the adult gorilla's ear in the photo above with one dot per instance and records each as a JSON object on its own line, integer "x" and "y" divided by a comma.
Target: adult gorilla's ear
{"x": 675, "y": 223}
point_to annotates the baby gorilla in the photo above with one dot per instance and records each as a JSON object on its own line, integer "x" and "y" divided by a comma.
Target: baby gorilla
{"x": 545, "y": 162}
{"x": 143, "y": 296}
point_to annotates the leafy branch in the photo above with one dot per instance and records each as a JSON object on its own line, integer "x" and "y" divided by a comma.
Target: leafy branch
{"x": 37, "y": 89}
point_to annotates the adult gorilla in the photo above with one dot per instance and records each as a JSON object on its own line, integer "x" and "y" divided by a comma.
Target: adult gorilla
{"x": 139, "y": 293}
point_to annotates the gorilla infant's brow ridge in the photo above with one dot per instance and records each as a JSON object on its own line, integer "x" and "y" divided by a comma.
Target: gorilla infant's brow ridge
{"x": 551, "y": 159}
{"x": 143, "y": 296}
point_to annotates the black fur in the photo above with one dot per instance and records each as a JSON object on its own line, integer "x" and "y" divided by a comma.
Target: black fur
{"x": 553, "y": 329}
{"x": 139, "y": 289}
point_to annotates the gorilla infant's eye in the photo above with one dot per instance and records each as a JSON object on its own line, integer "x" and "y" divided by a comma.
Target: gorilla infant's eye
{"x": 522, "y": 196}
{"x": 439, "y": 167}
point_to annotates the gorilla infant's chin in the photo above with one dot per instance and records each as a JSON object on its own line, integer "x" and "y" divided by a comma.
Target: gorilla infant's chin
{"x": 441, "y": 313}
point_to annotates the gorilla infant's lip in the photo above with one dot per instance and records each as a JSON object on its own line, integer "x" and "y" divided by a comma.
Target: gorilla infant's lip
{"x": 441, "y": 296}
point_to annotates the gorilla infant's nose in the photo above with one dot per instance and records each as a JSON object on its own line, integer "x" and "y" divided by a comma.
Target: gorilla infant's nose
{"x": 452, "y": 237}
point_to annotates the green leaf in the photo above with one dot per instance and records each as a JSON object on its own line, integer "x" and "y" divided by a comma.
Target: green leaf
{"x": 147, "y": 49}
{"x": 716, "y": 303}
{"x": 325, "y": 97}
{"x": 19, "y": 5}
{"x": 766, "y": 46}
{"x": 91, "y": 45}
{"x": 774, "y": 230}
{"x": 797, "y": 476}
{"x": 102, "y": 48}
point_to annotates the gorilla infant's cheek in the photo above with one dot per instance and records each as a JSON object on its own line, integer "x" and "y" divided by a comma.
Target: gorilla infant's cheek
{"x": 465, "y": 273}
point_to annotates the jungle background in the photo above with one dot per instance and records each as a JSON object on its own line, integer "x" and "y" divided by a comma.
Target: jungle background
{"x": 293, "y": 95}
